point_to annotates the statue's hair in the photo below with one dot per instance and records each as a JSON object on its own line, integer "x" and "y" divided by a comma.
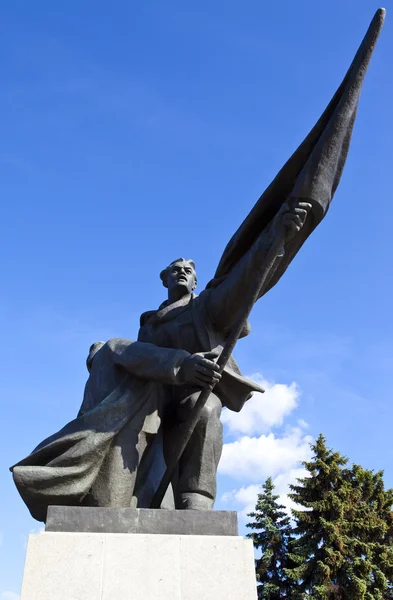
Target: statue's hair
{"x": 164, "y": 272}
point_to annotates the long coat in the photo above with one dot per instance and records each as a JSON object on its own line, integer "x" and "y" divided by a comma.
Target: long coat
{"x": 63, "y": 468}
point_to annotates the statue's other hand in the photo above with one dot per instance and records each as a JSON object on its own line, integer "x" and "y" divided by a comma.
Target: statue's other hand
{"x": 200, "y": 369}
{"x": 291, "y": 216}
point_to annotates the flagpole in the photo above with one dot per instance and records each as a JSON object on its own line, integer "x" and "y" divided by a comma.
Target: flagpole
{"x": 195, "y": 413}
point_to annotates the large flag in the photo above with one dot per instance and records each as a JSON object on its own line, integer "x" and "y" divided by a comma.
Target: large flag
{"x": 313, "y": 171}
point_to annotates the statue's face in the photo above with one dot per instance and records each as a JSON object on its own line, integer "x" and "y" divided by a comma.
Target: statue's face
{"x": 181, "y": 274}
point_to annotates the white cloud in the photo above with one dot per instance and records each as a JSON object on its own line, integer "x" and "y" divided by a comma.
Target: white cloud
{"x": 245, "y": 498}
{"x": 250, "y": 459}
{"x": 263, "y": 411}
{"x": 254, "y": 459}
{"x": 7, "y": 595}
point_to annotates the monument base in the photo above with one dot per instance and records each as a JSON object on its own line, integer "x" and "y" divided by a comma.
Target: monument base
{"x": 137, "y": 566}
{"x": 138, "y": 554}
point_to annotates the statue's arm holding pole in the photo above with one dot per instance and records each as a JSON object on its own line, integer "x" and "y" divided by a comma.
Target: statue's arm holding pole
{"x": 164, "y": 365}
{"x": 146, "y": 362}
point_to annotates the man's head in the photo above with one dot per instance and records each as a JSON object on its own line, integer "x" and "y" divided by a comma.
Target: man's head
{"x": 179, "y": 277}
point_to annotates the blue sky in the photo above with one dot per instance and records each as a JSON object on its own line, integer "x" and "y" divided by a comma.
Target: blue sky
{"x": 134, "y": 133}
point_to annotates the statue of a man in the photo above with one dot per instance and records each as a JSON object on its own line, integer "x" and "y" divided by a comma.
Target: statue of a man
{"x": 139, "y": 394}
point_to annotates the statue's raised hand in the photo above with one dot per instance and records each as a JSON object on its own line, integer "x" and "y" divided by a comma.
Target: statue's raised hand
{"x": 200, "y": 369}
{"x": 291, "y": 217}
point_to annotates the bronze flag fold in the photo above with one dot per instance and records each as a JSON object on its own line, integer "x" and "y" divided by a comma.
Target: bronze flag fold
{"x": 314, "y": 169}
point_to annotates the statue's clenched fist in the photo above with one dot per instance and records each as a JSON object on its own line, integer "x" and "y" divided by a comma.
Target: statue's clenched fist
{"x": 200, "y": 369}
{"x": 291, "y": 216}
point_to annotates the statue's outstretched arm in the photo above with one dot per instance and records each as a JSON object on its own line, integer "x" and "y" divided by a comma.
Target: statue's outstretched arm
{"x": 226, "y": 300}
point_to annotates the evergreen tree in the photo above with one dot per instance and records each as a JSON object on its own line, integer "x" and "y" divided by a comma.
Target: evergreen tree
{"x": 344, "y": 544}
{"x": 272, "y": 534}
{"x": 318, "y": 552}
{"x": 368, "y": 571}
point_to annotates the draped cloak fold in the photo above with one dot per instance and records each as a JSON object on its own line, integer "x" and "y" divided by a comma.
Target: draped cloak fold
{"x": 63, "y": 468}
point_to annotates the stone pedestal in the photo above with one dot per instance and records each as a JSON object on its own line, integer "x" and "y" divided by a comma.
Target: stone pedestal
{"x": 138, "y": 566}
{"x": 141, "y": 520}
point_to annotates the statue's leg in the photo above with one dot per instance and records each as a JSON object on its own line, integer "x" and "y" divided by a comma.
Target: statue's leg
{"x": 114, "y": 485}
{"x": 196, "y": 481}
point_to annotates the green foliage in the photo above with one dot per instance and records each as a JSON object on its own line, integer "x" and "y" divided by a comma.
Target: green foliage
{"x": 369, "y": 549}
{"x": 272, "y": 534}
{"x": 340, "y": 545}
{"x": 320, "y": 530}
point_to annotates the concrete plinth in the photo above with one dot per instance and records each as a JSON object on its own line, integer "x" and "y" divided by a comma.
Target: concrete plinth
{"x": 128, "y": 566}
{"x": 141, "y": 520}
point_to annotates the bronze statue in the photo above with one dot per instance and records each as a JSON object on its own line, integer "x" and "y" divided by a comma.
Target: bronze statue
{"x": 143, "y": 412}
